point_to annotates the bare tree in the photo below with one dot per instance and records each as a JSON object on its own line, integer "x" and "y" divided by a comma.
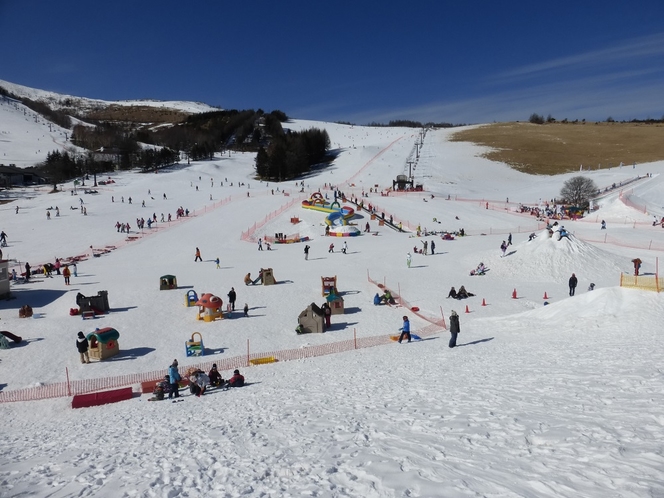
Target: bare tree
{"x": 578, "y": 191}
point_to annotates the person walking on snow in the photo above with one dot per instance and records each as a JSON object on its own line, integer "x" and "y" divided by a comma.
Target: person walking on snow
{"x": 198, "y": 255}
{"x": 405, "y": 330}
{"x": 572, "y": 284}
{"x": 331, "y": 249}
{"x": 306, "y": 252}
{"x": 66, "y": 273}
{"x": 509, "y": 239}
{"x": 82, "y": 345}
{"x": 345, "y": 247}
{"x": 433, "y": 248}
{"x": 454, "y": 328}
{"x": 503, "y": 247}
{"x": 409, "y": 259}
{"x": 260, "y": 244}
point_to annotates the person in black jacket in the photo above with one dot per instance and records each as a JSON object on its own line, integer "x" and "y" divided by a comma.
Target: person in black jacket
{"x": 82, "y": 345}
{"x": 231, "y": 298}
{"x": 572, "y": 284}
{"x": 454, "y": 328}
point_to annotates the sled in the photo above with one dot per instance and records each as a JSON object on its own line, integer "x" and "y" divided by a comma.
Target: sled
{"x": 413, "y": 337}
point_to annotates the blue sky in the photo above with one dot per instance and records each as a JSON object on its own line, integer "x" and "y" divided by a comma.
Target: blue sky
{"x": 356, "y": 61}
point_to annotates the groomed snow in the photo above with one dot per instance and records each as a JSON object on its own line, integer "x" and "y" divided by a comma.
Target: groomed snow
{"x": 562, "y": 400}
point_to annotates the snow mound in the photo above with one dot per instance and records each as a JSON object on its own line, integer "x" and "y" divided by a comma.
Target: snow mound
{"x": 545, "y": 257}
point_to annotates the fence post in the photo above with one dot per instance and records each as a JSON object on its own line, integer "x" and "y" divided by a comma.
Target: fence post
{"x": 355, "y": 337}
{"x": 248, "y": 353}
{"x": 68, "y": 385}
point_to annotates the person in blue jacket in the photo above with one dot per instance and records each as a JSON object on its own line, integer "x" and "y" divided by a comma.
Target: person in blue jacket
{"x": 376, "y": 299}
{"x": 405, "y": 329}
{"x": 174, "y": 377}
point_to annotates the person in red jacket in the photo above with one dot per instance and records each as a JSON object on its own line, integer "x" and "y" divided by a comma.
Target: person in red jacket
{"x": 237, "y": 380}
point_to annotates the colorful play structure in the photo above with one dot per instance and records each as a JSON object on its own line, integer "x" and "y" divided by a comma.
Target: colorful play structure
{"x": 167, "y": 282}
{"x": 91, "y": 306}
{"x": 190, "y": 298}
{"x": 311, "y": 320}
{"x": 209, "y": 308}
{"x": 337, "y": 215}
{"x": 103, "y": 343}
{"x": 194, "y": 347}
{"x": 329, "y": 285}
{"x": 265, "y": 277}
{"x": 336, "y": 303}
{"x": 331, "y": 295}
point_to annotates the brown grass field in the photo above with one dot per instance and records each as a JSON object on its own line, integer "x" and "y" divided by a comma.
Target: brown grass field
{"x": 553, "y": 148}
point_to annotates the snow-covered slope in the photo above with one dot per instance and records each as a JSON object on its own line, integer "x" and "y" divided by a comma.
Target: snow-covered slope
{"x": 562, "y": 400}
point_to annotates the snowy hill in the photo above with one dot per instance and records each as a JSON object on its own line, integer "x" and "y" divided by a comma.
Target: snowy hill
{"x": 555, "y": 400}
{"x": 59, "y": 101}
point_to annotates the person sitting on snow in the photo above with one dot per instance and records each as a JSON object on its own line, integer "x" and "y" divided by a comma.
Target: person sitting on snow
{"x": 199, "y": 381}
{"x": 376, "y": 299}
{"x": 236, "y": 381}
{"x": 387, "y": 297}
{"x": 247, "y": 279}
{"x": 463, "y": 293}
{"x": 452, "y": 293}
{"x": 215, "y": 377}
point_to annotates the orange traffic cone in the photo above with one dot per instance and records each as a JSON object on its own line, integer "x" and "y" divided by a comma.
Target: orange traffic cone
{"x": 467, "y": 310}
{"x": 514, "y": 294}
{"x": 483, "y": 302}
{"x": 545, "y": 296}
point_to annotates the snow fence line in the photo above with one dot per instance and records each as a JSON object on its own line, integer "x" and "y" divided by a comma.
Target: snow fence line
{"x": 68, "y": 389}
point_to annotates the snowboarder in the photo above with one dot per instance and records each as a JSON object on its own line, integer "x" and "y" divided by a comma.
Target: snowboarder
{"x": 331, "y": 249}
{"x": 454, "y": 328}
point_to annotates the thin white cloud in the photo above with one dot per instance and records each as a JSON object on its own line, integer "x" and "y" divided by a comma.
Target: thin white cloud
{"x": 627, "y": 53}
